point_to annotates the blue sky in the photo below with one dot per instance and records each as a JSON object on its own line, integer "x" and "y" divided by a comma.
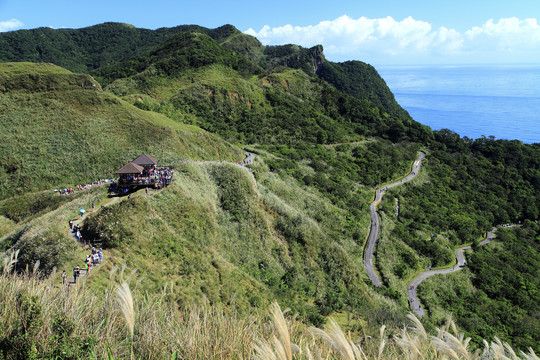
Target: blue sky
{"x": 379, "y": 32}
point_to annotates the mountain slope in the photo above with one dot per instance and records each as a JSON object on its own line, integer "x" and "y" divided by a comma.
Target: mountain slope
{"x": 60, "y": 129}
{"x": 362, "y": 81}
{"x": 105, "y": 45}
{"x": 194, "y": 79}
{"x": 215, "y": 221}
{"x": 216, "y": 232}
{"x": 178, "y": 54}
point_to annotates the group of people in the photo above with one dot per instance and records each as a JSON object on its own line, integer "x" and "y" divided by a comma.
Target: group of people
{"x": 76, "y": 229}
{"x": 151, "y": 176}
{"x": 247, "y": 161}
{"x": 91, "y": 261}
{"x": 158, "y": 177}
{"x": 67, "y": 191}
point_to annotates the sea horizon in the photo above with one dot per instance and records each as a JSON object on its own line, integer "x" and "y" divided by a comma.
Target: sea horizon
{"x": 473, "y": 100}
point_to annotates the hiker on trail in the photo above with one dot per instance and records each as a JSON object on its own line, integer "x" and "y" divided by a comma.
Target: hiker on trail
{"x": 64, "y": 278}
{"x": 100, "y": 254}
{"x": 78, "y": 235}
{"x": 76, "y": 273}
{"x": 86, "y": 268}
{"x": 146, "y": 191}
{"x": 71, "y": 224}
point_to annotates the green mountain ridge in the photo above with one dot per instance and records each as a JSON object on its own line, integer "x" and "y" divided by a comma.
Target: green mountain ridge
{"x": 95, "y": 47}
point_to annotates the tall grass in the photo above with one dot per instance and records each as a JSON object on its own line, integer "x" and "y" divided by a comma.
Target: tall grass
{"x": 158, "y": 328}
{"x": 413, "y": 343}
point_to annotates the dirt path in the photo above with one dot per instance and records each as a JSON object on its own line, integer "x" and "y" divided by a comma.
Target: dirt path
{"x": 79, "y": 221}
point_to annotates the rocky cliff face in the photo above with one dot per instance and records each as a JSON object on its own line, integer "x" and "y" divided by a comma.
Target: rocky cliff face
{"x": 317, "y": 58}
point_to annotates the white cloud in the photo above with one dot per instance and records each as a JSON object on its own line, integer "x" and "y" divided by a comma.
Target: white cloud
{"x": 12, "y": 24}
{"x": 387, "y": 40}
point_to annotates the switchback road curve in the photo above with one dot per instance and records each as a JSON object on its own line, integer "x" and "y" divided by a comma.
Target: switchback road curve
{"x": 376, "y": 223}
{"x": 414, "y": 302}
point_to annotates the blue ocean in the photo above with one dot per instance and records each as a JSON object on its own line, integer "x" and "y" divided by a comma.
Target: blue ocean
{"x": 495, "y": 100}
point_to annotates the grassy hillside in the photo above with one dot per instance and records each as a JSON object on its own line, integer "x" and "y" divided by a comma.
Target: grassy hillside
{"x": 212, "y": 241}
{"x": 218, "y": 233}
{"x": 60, "y": 129}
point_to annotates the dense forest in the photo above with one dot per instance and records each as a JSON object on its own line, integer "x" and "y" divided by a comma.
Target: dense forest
{"x": 498, "y": 296}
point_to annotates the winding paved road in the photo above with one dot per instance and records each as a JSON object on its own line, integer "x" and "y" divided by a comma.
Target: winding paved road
{"x": 414, "y": 302}
{"x": 376, "y": 223}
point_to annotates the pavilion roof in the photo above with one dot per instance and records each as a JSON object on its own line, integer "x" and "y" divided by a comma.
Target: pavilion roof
{"x": 130, "y": 168}
{"x": 145, "y": 160}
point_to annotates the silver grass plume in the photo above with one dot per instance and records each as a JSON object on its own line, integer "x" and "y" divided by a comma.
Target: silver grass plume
{"x": 511, "y": 353}
{"x": 383, "y": 341}
{"x": 335, "y": 337}
{"x": 409, "y": 345}
{"x": 122, "y": 272}
{"x": 282, "y": 348}
{"x": 9, "y": 262}
{"x": 125, "y": 305}
{"x": 444, "y": 348}
{"x": 282, "y": 331}
{"x": 112, "y": 273}
{"x": 36, "y": 267}
{"x": 530, "y": 356}
{"x": 418, "y": 328}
